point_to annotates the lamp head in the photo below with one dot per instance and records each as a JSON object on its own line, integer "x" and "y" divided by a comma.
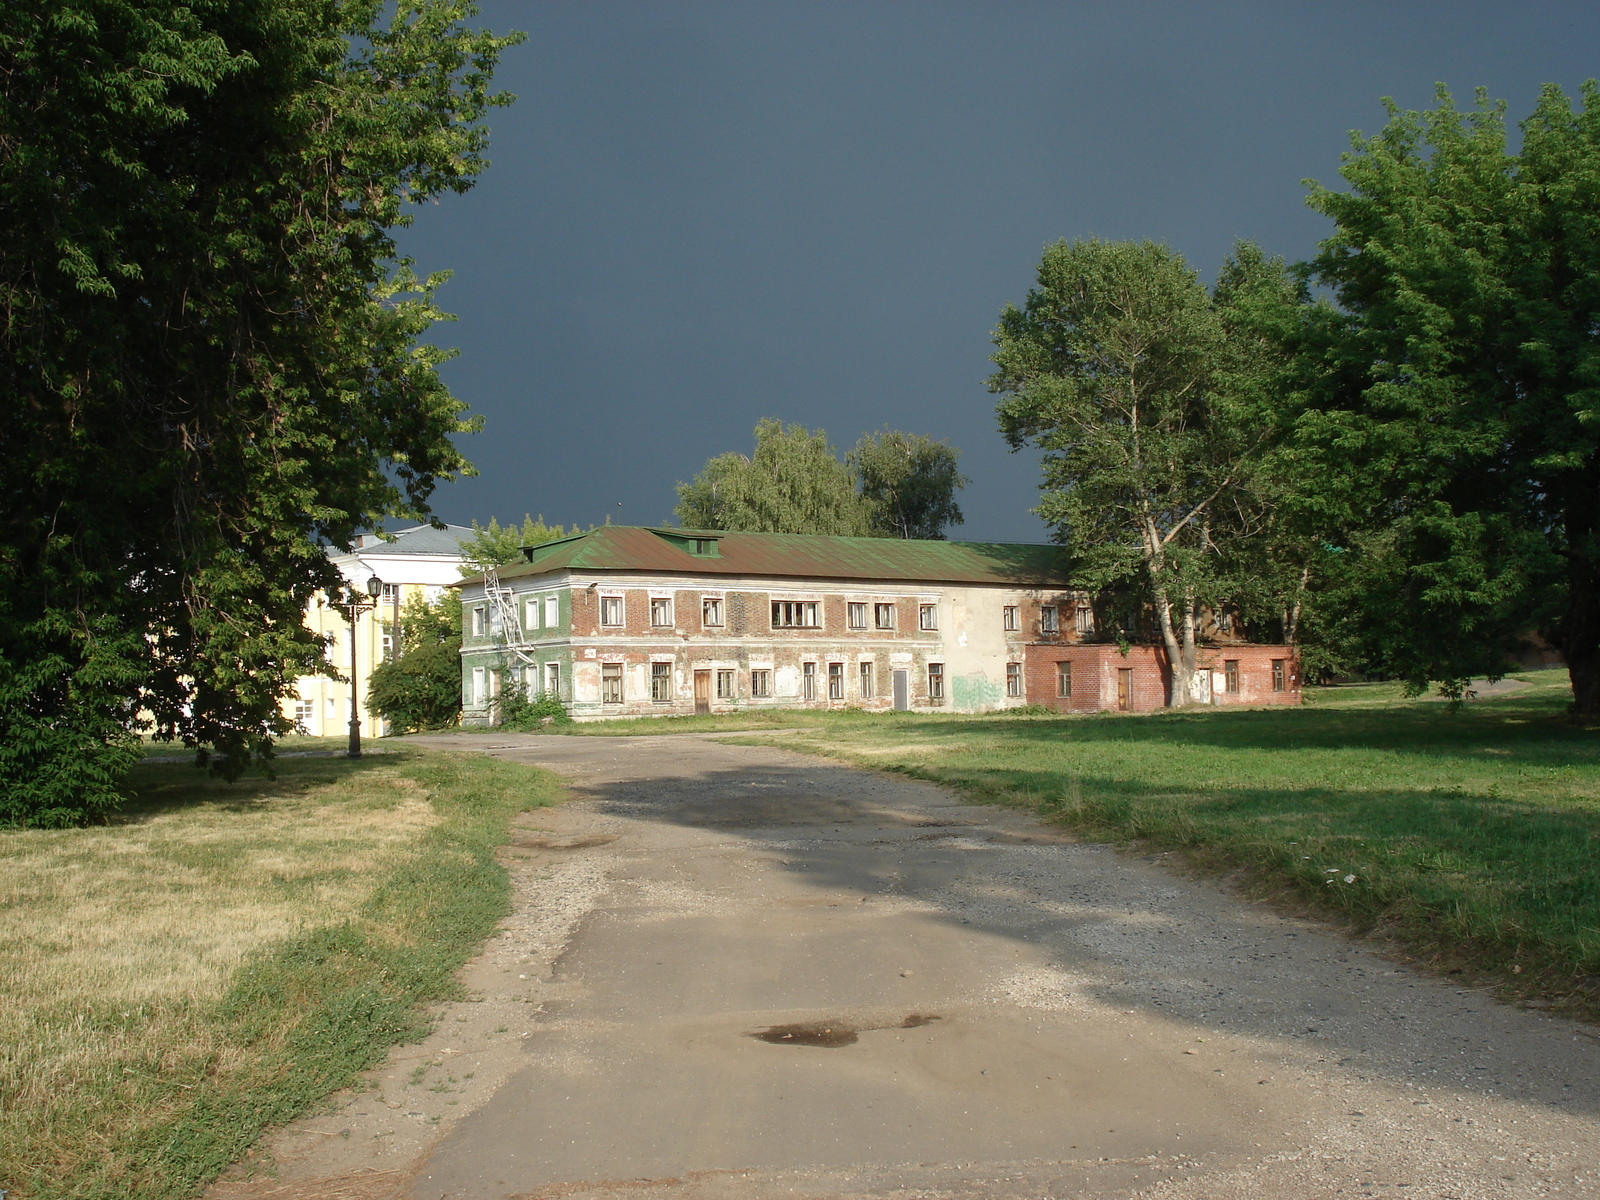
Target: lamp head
{"x": 374, "y": 587}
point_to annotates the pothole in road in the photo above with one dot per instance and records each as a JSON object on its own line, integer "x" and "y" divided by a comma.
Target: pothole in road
{"x": 830, "y": 1035}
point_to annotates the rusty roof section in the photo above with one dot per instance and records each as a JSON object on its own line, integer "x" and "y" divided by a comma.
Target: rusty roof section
{"x": 794, "y": 556}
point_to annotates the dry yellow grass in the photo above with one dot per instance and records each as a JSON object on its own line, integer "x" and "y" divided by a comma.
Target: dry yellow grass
{"x": 115, "y": 942}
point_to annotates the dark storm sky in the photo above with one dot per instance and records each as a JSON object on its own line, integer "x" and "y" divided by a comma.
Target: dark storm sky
{"x": 702, "y": 214}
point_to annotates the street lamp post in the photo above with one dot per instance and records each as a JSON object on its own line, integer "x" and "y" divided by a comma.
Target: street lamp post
{"x": 353, "y": 604}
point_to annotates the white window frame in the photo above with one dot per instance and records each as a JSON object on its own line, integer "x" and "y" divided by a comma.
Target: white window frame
{"x": 661, "y": 606}
{"x": 879, "y": 609}
{"x": 867, "y": 676}
{"x": 660, "y": 682}
{"x": 856, "y": 614}
{"x": 936, "y": 683}
{"x": 836, "y": 681}
{"x": 1084, "y": 619}
{"x": 808, "y": 681}
{"x": 479, "y": 687}
{"x": 1008, "y": 618}
{"x": 727, "y": 684}
{"x": 552, "y": 679}
{"x": 480, "y": 621}
{"x": 530, "y": 613}
{"x": 1049, "y": 619}
{"x": 760, "y": 683}
{"x": 621, "y": 677}
{"x": 1014, "y": 682}
{"x": 621, "y": 608}
{"x": 552, "y": 612}
{"x": 796, "y": 614}
{"x": 928, "y": 617}
{"x": 712, "y": 615}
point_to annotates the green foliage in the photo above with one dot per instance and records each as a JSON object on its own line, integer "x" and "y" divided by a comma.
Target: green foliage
{"x": 515, "y": 710}
{"x": 495, "y": 545}
{"x": 793, "y": 483}
{"x": 210, "y": 348}
{"x": 421, "y": 689}
{"x": 909, "y": 481}
{"x": 1156, "y": 407}
{"x": 1453, "y": 396}
{"x": 892, "y": 484}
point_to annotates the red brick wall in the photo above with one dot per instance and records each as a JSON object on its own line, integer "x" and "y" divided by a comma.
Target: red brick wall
{"x": 1095, "y": 667}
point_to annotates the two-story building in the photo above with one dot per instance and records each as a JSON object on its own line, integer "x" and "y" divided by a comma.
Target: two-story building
{"x": 626, "y": 621}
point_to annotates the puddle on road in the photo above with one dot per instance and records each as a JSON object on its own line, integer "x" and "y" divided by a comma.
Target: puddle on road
{"x": 830, "y": 1035}
{"x": 583, "y": 842}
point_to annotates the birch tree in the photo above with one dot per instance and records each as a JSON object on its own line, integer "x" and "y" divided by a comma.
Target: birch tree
{"x": 1143, "y": 392}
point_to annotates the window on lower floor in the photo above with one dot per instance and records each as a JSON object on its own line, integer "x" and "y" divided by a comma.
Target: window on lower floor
{"x": 1048, "y": 622}
{"x": 1013, "y": 679}
{"x": 1230, "y": 676}
{"x": 661, "y": 681}
{"x": 808, "y": 681}
{"x": 868, "y": 690}
{"x": 1278, "y": 675}
{"x": 795, "y": 614}
{"x": 856, "y": 615}
{"x": 552, "y": 679}
{"x": 660, "y": 610}
{"x": 391, "y": 638}
{"x": 305, "y": 712}
{"x": 611, "y": 683}
{"x": 480, "y": 691}
{"x": 836, "y": 681}
{"x": 935, "y": 683}
{"x": 725, "y": 685}
{"x": 1064, "y": 679}
{"x": 760, "y": 684}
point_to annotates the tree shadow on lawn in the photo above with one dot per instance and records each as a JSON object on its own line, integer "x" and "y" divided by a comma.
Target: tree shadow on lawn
{"x": 1532, "y": 729}
{"x": 157, "y": 788}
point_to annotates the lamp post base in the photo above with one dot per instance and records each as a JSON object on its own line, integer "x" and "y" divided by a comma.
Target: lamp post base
{"x": 355, "y": 740}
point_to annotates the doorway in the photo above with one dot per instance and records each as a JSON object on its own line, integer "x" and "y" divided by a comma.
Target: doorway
{"x": 1124, "y": 689}
{"x": 902, "y": 691}
{"x": 1203, "y": 685}
{"x": 702, "y": 692}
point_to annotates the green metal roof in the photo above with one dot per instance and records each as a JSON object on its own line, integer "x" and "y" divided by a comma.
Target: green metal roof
{"x": 793, "y": 555}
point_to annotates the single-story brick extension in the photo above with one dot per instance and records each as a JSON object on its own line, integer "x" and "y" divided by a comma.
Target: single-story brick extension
{"x": 624, "y": 622}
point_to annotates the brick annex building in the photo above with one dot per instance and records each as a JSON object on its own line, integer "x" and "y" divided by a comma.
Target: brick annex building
{"x": 627, "y": 621}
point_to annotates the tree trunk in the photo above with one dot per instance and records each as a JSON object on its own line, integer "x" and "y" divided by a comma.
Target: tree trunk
{"x": 1182, "y": 653}
{"x": 1580, "y": 637}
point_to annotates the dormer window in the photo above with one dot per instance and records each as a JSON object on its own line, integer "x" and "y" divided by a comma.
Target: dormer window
{"x": 703, "y": 546}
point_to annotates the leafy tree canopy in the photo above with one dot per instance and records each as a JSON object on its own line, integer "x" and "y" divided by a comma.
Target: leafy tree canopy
{"x": 892, "y": 485}
{"x": 909, "y": 482}
{"x": 495, "y": 545}
{"x": 211, "y": 354}
{"x": 1453, "y": 397}
{"x": 1155, "y": 404}
{"x": 421, "y": 687}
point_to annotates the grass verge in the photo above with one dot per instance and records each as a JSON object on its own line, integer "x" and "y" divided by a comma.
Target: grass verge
{"x": 1469, "y": 836}
{"x": 222, "y": 957}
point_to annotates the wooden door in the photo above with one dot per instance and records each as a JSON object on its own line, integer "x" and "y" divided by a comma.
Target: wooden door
{"x": 1125, "y": 689}
{"x": 902, "y": 691}
{"x": 702, "y": 691}
{"x": 1204, "y": 684}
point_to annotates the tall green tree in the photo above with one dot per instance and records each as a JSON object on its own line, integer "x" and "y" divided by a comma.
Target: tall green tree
{"x": 420, "y": 688}
{"x": 793, "y": 483}
{"x": 909, "y": 481}
{"x": 495, "y": 545}
{"x": 1152, "y": 401}
{"x": 1455, "y": 395}
{"x": 211, "y": 354}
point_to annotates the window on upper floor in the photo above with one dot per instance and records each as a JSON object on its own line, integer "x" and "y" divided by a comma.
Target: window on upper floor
{"x": 552, "y": 611}
{"x": 611, "y": 610}
{"x": 1085, "y": 619}
{"x": 1008, "y": 618}
{"x": 530, "y": 613}
{"x": 391, "y": 593}
{"x": 660, "y": 610}
{"x": 883, "y": 616}
{"x": 928, "y": 616}
{"x": 480, "y": 621}
{"x": 1048, "y": 621}
{"x": 856, "y": 615}
{"x": 796, "y": 614}
{"x": 711, "y": 612}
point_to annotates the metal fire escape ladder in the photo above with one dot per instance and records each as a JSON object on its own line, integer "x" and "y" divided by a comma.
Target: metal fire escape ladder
{"x": 505, "y": 627}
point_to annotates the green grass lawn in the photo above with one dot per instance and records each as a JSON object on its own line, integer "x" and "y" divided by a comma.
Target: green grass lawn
{"x": 220, "y": 957}
{"x": 1470, "y": 834}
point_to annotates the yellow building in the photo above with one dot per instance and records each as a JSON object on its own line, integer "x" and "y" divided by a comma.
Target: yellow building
{"x": 420, "y": 561}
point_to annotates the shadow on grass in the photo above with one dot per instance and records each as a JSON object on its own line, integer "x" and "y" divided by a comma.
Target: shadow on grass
{"x": 154, "y": 788}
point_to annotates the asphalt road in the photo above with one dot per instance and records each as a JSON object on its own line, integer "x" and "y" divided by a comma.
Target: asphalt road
{"x": 735, "y": 972}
